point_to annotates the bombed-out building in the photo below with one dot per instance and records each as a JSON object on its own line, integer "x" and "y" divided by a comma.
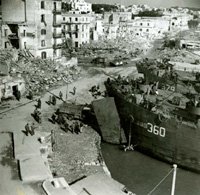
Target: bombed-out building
{"x": 33, "y": 25}
{"x": 76, "y": 26}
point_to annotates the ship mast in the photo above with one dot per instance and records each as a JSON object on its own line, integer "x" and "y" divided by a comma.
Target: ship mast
{"x": 174, "y": 179}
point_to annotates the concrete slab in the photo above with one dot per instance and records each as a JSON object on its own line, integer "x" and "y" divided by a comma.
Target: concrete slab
{"x": 99, "y": 184}
{"x": 27, "y": 146}
{"x": 9, "y": 182}
{"x": 57, "y": 186}
{"x": 33, "y": 169}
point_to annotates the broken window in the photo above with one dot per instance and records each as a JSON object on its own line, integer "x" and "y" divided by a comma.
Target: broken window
{"x": 24, "y": 33}
{"x": 43, "y": 32}
{"x": 76, "y": 19}
{"x": 141, "y": 24}
{"x": 24, "y": 45}
{"x": 43, "y": 43}
{"x": 44, "y": 55}
{"x": 76, "y": 35}
{"x": 42, "y": 4}
{"x": 76, "y": 44}
{"x": 63, "y": 18}
{"x": 42, "y": 18}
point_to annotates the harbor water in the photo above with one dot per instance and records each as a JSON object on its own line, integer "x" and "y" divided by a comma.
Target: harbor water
{"x": 141, "y": 173}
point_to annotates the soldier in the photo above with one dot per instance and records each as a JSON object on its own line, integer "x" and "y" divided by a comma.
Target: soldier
{"x": 66, "y": 125}
{"x": 39, "y": 103}
{"x": 81, "y": 126}
{"x": 30, "y": 95}
{"x": 53, "y": 117}
{"x": 72, "y": 127}
{"x": 33, "y": 127}
{"x": 60, "y": 95}
{"x": 53, "y": 140}
{"x": 36, "y": 115}
{"x": 74, "y": 90}
{"x": 27, "y": 129}
{"x": 57, "y": 111}
{"x": 18, "y": 95}
{"x": 50, "y": 99}
{"x": 54, "y": 100}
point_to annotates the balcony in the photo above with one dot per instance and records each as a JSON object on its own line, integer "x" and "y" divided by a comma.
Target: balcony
{"x": 56, "y": 11}
{"x": 57, "y": 46}
{"x": 76, "y": 22}
{"x": 57, "y": 35}
{"x": 13, "y": 36}
{"x": 72, "y": 30}
{"x": 56, "y": 24}
{"x": 28, "y": 34}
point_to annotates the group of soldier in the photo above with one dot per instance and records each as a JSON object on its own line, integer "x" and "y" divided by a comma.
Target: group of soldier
{"x": 30, "y": 129}
{"x": 66, "y": 122}
{"x": 37, "y": 114}
{"x": 74, "y": 127}
{"x": 95, "y": 91}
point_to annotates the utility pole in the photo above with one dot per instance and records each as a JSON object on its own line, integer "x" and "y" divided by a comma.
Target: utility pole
{"x": 174, "y": 179}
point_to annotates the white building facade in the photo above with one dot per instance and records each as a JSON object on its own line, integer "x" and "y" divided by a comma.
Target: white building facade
{"x": 81, "y": 5}
{"x": 76, "y": 26}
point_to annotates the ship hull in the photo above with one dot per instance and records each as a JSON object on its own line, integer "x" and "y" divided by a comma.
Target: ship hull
{"x": 168, "y": 139}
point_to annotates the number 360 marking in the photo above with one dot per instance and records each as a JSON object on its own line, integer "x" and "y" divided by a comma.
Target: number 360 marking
{"x": 156, "y": 130}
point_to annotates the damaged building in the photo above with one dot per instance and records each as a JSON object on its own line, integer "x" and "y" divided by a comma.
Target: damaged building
{"x": 10, "y": 85}
{"x": 27, "y": 24}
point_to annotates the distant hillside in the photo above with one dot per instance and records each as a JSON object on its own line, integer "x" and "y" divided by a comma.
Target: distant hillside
{"x": 190, "y": 8}
{"x": 98, "y": 8}
{"x": 147, "y": 13}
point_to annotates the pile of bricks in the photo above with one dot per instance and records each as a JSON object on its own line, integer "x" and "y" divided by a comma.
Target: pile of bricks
{"x": 39, "y": 74}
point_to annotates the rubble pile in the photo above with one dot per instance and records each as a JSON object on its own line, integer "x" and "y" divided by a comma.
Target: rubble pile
{"x": 39, "y": 74}
{"x": 72, "y": 160}
{"x": 120, "y": 47}
{"x": 177, "y": 55}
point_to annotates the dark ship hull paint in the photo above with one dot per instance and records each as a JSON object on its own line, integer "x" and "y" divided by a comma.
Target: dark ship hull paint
{"x": 170, "y": 140}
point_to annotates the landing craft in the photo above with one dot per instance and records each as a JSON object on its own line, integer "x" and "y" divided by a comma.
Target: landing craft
{"x": 168, "y": 78}
{"x": 166, "y": 123}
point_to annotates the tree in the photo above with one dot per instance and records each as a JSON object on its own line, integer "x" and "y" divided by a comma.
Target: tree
{"x": 147, "y": 13}
{"x": 193, "y": 24}
{"x": 66, "y": 7}
{"x": 100, "y": 8}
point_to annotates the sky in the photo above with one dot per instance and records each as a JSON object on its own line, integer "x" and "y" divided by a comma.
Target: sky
{"x": 152, "y": 3}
